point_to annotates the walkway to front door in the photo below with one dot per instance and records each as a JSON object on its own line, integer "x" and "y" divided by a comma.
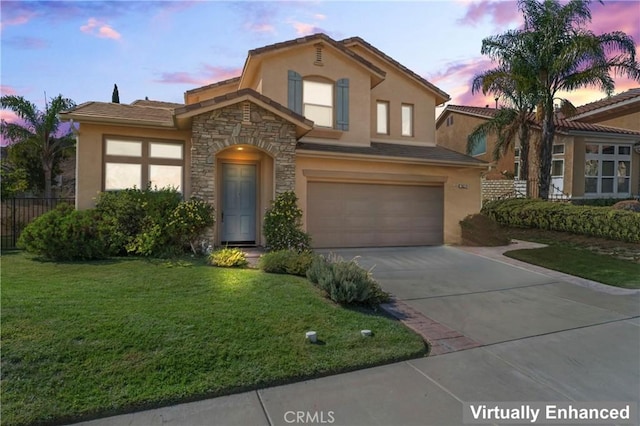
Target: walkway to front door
{"x": 238, "y": 216}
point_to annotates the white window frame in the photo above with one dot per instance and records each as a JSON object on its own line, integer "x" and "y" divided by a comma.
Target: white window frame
{"x": 382, "y": 117}
{"x": 616, "y": 158}
{"x": 317, "y": 104}
{"x": 406, "y": 129}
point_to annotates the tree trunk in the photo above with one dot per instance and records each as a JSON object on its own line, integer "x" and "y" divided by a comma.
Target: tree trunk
{"x": 523, "y": 136}
{"x": 47, "y": 168}
{"x": 544, "y": 169}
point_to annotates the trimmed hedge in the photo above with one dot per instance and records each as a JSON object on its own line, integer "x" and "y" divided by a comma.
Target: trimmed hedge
{"x": 603, "y": 222}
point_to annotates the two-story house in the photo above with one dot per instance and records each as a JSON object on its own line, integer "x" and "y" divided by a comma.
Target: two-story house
{"x": 342, "y": 124}
{"x": 596, "y": 151}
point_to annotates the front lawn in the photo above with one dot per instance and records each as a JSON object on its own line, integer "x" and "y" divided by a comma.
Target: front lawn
{"x": 82, "y": 340}
{"x": 605, "y": 261}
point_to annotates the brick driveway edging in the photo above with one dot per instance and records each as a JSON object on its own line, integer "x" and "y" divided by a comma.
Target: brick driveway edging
{"x": 441, "y": 339}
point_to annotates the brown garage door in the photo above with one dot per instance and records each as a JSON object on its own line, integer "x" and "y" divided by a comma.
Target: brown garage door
{"x": 372, "y": 215}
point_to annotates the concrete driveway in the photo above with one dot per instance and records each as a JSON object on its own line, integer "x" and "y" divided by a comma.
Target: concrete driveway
{"x": 542, "y": 340}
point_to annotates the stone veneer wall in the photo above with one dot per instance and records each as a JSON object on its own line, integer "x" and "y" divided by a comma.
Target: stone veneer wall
{"x": 492, "y": 189}
{"x": 217, "y": 130}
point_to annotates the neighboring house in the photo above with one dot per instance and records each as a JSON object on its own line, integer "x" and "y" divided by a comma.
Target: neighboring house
{"x": 342, "y": 124}
{"x": 596, "y": 153}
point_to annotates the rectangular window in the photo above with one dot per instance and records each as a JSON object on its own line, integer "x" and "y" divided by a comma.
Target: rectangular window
{"x": 516, "y": 170}
{"x": 557, "y": 149}
{"x": 382, "y": 118}
{"x": 516, "y": 152}
{"x": 137, "y": 163}
{"x": 607, "y": 169}
{"x": 124, "y": 148}
{"x": 122, "y": 176}
{"x": 557, "y": 168}
{"x": 480, "y": 147}
{"x": 407, "y": 120}
{"x": 317, "y": 102}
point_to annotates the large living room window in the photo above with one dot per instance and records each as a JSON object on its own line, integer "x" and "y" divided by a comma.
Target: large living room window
{"x": 138, "y": 163}
{"x": 607, "y": 169}
{"x": 317, "y": 102}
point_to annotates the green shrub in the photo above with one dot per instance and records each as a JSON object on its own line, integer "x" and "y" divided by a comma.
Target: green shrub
{"x": 598, "y": 202}
{"x": 345, "y": 282}
{"x": 153, "y": 222}
{"x": 480, "y": 230}
{"x": 66, "y": 234}
{"x": 603, "y": 222}
{"x": 282, "y": 226}
{"x": 286, "y": 262}
{"x": 229, "y": 258}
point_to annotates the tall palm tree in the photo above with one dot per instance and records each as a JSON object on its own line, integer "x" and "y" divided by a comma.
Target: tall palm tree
{"x": 560, "y": 54}
{"x": 39, "y": 131}
{"x": 510, "y": 121}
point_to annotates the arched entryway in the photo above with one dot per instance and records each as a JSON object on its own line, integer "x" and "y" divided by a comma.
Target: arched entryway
{"x": 245, "y": 176}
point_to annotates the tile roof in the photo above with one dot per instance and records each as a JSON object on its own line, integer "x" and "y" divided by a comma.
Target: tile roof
{"x": 156, "y": 104}
{"x": 238, "y": 94}
{"x": 139, "y": 114}
{"x": 568, "y": 126}
{"x": 397, "y": 64}
{"x": 562, "y": 125}
{"x": 317, "y": 37}
{"x": 216, "y": 84}
{"x": 609, "y": 101}
{"x": 425, "y": 153}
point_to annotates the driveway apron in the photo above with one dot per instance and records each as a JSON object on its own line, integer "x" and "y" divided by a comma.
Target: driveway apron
{"x": 488, "y": 301}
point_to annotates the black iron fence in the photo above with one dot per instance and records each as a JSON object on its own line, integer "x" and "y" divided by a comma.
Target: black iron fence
{"x": 16, "y": 213}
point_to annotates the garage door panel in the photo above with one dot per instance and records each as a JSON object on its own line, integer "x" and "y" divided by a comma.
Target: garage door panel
{"x": 365, "y": 215}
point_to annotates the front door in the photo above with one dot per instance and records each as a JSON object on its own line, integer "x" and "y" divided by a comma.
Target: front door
{"x": 238, "y": 214}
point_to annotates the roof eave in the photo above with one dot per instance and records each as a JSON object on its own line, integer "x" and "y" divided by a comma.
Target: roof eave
{"x": 427, "y": 161}
{"x": 93, "y": 119}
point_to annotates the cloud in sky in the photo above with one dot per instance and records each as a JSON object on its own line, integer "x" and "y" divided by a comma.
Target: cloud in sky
{"x": 499, "y": 12}
{"x": 303, "y": 29}
{"x": 7, "y": 90}
{"x": 258, "y": 17}
{"x": 16, "y": 19}
{"x": 32, "y": 43}
{"x": 99, "y": 29}
{"x": 207, "y": 75}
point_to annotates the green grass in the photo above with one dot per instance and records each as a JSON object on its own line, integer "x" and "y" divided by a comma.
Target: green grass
{"x": 583, "y": 263}
{"x": 82, "y": 340}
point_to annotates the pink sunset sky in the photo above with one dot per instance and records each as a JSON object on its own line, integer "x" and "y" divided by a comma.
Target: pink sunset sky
{"x": 160, "y": 49}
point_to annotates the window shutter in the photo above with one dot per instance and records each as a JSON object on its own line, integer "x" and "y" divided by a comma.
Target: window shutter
{"x": 295, "y": 92}
{"x": 342, "y": 104}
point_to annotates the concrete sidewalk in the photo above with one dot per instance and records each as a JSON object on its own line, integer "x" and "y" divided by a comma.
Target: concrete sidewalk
{"x": 543, "y": 339}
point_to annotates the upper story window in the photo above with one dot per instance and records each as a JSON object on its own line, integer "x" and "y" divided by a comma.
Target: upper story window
{"x": 317, "y": 102}
{"x": 557, "y": 149}
{"x": 407, "y": 120}
{"x": 325, "y": 103}
{"x": 138, "y": 163}
{"x": 382, "y": 117}
{"x": 479, "y": 146}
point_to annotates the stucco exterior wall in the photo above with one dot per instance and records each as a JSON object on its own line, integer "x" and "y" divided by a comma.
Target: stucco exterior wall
{"x": 398, "y": 89}
{"x": 209, "y": 93}
{"x": 89, "y": 155}
{"x": 455, "y": 135}
{"x": 458, "y": 202}
{"x": 273, "y": 78}
{"x": 630, "y": 120}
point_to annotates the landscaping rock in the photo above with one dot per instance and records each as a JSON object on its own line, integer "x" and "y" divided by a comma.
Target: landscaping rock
{"x": 632, "y": 205}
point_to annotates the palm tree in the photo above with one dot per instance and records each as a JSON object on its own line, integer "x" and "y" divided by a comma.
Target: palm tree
{"x": 557, "y": 53}
{"x": 39, "y": 131}
{"x": 510, "y": 121}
